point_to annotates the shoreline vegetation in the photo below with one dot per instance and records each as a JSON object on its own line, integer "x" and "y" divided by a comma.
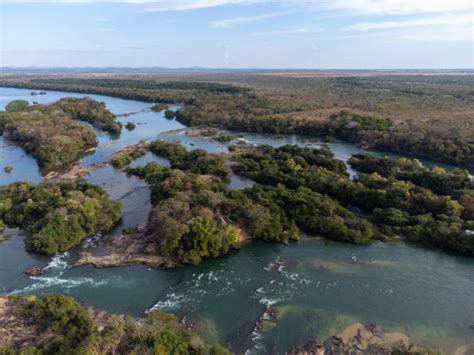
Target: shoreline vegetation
{"x": 243, "y": 108}
{"x": 53, "y": 323}
{"x": 57, "y": 324}
{"x": 53, "y": 133}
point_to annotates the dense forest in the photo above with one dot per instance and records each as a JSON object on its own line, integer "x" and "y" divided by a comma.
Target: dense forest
{"x": 57, "y": 216}
{"x": 300, "y": 189}
{"x": 57, "y": 324}
{"x": 51, "y": 133}
{"x": 89, "y": 110}
{"x": 397, "y": 207}
{"x": 265, "y": 109}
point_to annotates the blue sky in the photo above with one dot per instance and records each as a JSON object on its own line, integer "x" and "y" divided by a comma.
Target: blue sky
{"x": 325, "y": 34}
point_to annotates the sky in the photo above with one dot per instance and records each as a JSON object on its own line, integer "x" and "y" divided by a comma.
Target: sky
{"x": 292, "y": 34}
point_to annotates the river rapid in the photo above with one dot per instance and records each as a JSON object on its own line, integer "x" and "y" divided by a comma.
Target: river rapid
{"x": 317, "y": 287}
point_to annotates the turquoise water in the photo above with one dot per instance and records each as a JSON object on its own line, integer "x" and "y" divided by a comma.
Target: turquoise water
{"x": 317, "y": 290}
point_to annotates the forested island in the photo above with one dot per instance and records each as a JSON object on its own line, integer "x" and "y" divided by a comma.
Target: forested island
{"x": 57, "y": 216}
{"x": 51, "y": 133}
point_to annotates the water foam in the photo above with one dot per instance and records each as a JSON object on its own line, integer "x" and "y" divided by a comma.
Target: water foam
{"x": 54, "y": 277}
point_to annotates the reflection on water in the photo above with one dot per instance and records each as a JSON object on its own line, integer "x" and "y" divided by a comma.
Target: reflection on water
{"x": 315, "y": 289}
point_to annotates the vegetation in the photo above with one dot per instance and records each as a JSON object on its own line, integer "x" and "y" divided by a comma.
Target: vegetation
{"x": 420, "y": 204}
{"x": 130, "y": 126}
{"x": 436, "y": 179}
{"x": 57, "y": 216}
{"x": 67, "y": 327}
{"x": 299, "y": 189}
{"x": 8, "y": 168}
{"x": 170, "y": 114}
{"x": 288, "y": 105}
{"x": 159, "y": 107}
{"x": 123, "y": 159}
{"x": 89, "y": 110}
{"x": 54, "y": 140}
{"x": 197, "y": 161}
{"x": 17, "y": 105}
{"x": 196, "y": 217}
{"x": 186, "y": 221}
{"x": 224, "y": 138}
{"x": 396, "y": 207}
{"x": 50, "y": 132}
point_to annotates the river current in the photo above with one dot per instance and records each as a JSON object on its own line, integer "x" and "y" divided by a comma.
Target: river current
{"x": 317, "y": 287}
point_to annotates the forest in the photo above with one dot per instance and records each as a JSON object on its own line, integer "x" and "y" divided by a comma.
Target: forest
{"x": 300, "y": 190}
{"x": 52, "y": 133}
{"x": 61, "y": 325}
{"x": 389, "y": 114}
{"x": 397, "y": 207}
{"x": 57, "y": 216}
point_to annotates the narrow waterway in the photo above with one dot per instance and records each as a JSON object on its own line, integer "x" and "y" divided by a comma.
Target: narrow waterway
{"x": 317, "y": 288}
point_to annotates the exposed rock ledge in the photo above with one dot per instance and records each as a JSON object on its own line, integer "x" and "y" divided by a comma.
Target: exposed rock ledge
{"x": 358, "y": 339}
{"x": 126, "y": 250}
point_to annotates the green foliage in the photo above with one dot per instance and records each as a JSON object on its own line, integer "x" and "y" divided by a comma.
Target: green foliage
{"x": 197, "y": 161}
{"x": 126, "y": 158}
{"x": 170, "y": 114}
{"x": 66, "y": 327}
{"x": 8, "y": 169}
{"x": 89, "y": 110}
{"x": 130, "y": 126}
{"x": 57, "y": 216}
{"x": 224, "y": 138}
{"x": 70, "y": 323}
{"x": 436, "y": 179}
{"x": 397, "y": 207}
{"x": 17, "y": 105}
{"x": 287, "y": 105}
{"x": 159, "y": 107}
{"x": 53, "y": 139}
{"x": 50, "y": 132}
{"x": 187, "y": 221}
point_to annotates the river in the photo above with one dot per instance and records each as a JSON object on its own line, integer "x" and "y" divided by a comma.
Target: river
{"x": 316, "y": 287}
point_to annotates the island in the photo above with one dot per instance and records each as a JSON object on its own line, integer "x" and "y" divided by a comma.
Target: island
{"x": 52, "y": 133}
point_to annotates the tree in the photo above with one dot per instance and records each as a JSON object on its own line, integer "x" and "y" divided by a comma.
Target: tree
{"x": 17, "y": 105}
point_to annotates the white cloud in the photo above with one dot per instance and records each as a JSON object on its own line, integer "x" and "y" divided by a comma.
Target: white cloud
{"x": 300, "y": 30}
{"x": 387, "y": 7}
{"x": 236, "y": 21}
{"x": 447, "y": 20}
{"x": 462, "y": 34}
{"x": 158, "y": 5}
{"x": 186, "y": 5}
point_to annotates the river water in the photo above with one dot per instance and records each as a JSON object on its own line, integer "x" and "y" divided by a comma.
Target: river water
{"x": 317, "y": 288}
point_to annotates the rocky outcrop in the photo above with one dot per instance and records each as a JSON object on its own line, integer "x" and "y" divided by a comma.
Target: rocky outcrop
{"x": 34, "y": 271}
{"x": 359, "y": 339}
{"x": 131, "y": 249}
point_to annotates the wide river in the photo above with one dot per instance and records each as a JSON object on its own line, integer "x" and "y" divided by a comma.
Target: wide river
{"x": 318, "y": 288}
